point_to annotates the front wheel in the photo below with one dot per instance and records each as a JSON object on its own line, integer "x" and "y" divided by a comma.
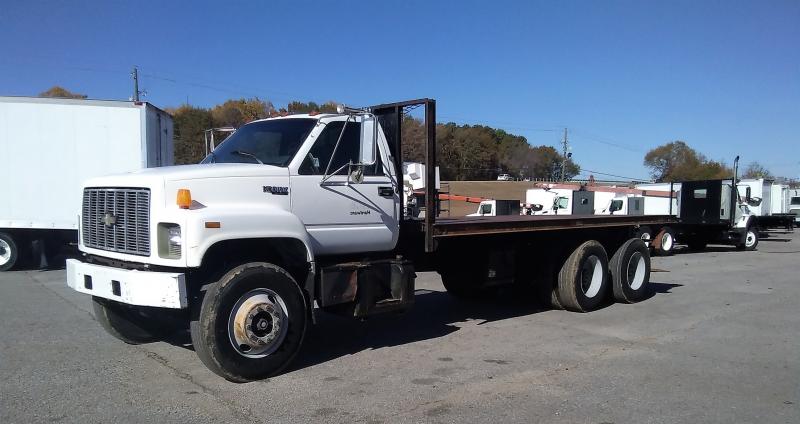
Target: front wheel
{"x": 750, "y": 240}
{"x": 251, "y": 323}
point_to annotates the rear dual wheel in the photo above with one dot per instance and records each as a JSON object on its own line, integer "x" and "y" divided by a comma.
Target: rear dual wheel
{"x": 630, "y": 271}
{"x": 583, "y": 278}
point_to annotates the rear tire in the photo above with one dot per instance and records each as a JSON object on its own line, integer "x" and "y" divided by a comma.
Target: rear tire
{"x": 9, "y": 252}
{"x": 664, "y": 242}
{"x": 583, "y": 279}
{"x": 630, "y": 271}
{"x": 127, "y": 323}
{"x": 251, "y": 323}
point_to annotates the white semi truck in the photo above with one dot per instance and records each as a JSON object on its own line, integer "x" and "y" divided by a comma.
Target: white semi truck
{"x": 49, "y": 147}
{"x": 300, "y": 211}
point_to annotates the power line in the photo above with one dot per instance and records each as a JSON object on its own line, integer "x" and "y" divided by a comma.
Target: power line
{"x": 613, "y": 175}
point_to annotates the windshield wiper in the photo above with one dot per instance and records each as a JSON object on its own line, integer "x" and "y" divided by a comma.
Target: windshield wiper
{"x": 248, "y": 154}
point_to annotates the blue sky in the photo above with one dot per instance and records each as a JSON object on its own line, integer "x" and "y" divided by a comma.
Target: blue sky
{"x": 623, "y": 76}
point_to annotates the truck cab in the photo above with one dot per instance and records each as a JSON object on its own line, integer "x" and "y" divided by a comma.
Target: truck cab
{"x": 312, "y": 200}
{"x": 492, "y": 207}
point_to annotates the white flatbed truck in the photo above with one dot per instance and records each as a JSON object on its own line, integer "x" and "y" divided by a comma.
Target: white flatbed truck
{"x": 296, "y": 211}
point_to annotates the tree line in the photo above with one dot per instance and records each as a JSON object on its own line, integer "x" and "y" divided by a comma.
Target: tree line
{"x": 465, "y": 152}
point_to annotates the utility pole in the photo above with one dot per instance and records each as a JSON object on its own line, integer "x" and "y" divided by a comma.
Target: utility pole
{"x": 566, "y": 154}
{"x": 135, "y": 75}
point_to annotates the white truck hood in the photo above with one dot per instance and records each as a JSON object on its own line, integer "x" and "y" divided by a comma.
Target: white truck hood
{"x": 151, "y": 177}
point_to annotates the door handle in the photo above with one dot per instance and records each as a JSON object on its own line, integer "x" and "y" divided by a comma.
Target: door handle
{"x": 385, "y": 192}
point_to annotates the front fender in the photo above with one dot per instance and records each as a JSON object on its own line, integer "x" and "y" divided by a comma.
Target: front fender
{"x": 240, "y": 223}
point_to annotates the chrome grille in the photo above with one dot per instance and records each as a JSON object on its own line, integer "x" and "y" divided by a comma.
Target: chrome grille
{"x": 117, "y": 220}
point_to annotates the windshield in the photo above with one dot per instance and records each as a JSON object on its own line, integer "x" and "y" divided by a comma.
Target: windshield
{"x": 272, "y": 142}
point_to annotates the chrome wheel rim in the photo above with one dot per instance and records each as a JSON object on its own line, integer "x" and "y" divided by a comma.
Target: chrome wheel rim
{"x": 5, "y": 252}
{"x": 646, "y": 239}
{"x": 258, "y": 323}
{"x": 591, "y": 276}
{"x": 666, "y": 242}
{"x": 636, "y": 270}
{"x": 750, "y": 240}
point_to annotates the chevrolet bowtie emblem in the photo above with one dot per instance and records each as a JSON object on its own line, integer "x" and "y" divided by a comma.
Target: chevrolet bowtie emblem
{"x": 109, "y": 219}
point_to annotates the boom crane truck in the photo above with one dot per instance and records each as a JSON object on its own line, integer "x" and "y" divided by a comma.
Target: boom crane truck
{"x": 296, "y": 211}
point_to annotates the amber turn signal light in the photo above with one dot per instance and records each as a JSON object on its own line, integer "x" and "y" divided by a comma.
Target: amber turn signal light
{"x": 184, "y": 198}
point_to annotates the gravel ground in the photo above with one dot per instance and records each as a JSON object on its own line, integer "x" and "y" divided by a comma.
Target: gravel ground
{"x": 717, "y": 342}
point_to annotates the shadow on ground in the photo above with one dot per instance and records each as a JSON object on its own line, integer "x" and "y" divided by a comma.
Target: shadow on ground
{"x": 434, "y": 315}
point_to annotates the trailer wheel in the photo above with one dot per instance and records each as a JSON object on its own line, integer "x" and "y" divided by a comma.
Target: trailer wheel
{"x": 9, "y": 252}
{"x": 750, "y": 239}
{"x": 583, "y": 279}
{"x": 664, "y": 242}
{"x": 128, "y": 324}
{"x": 251, "y": 322}
{"x": 646, "y": 234}
{"x": 630, "y": 271}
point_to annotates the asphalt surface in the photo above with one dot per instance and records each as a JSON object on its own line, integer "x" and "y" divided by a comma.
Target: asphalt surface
{"x": 717, "y": 342}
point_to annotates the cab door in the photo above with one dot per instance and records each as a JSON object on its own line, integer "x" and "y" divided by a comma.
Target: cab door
{"x": 342, "y": 216}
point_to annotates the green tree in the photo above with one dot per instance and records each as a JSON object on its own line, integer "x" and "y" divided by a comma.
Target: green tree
{"x": 61, "y": 92}
{"x": 676, "y": 161}
{"x": 481, "y": 153}
{"x": 189, "y": 124}
{"x": 235, "y": 113}
{"x": 756, "y": 170}
{"x": 300, "y": 107}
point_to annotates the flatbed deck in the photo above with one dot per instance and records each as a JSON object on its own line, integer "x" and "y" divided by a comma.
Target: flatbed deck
{"x": 479, "y": 225}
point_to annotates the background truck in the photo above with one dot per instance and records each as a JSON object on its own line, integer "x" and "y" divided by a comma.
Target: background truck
{"x": 794, "y": 204}
{"x": 50, "y": 146}
{"x": 768, "y": 201}
{"x": 308, "y": 209}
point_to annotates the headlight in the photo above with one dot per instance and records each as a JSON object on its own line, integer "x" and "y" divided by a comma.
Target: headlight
{"x": 169, "y": 241}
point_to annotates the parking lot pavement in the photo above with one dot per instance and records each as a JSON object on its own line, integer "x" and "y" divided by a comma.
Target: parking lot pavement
{"x": 717, "y": 342}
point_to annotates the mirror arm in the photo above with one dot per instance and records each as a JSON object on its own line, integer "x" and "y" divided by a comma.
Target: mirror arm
{"x": 336, "y": 147}
{"x": 327, "y": 177}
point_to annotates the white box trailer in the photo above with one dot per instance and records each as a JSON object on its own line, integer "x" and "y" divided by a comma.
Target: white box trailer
{"x": 50, "y": 146}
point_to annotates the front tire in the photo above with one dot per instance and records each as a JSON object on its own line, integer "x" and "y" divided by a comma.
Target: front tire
{"x": 251, "y": 323}
{"x": 583, "y": 279}
{"x": 750, "y": 240}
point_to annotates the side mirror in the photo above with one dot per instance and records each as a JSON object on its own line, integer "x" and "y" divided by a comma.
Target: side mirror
{"x": 369, "y": 138}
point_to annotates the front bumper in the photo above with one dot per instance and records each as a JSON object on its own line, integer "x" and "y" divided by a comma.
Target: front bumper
{"x": 142, "y": 288}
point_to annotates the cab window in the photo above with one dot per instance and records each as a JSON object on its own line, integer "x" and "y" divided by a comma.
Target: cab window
{"x": 316, "y": 161}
